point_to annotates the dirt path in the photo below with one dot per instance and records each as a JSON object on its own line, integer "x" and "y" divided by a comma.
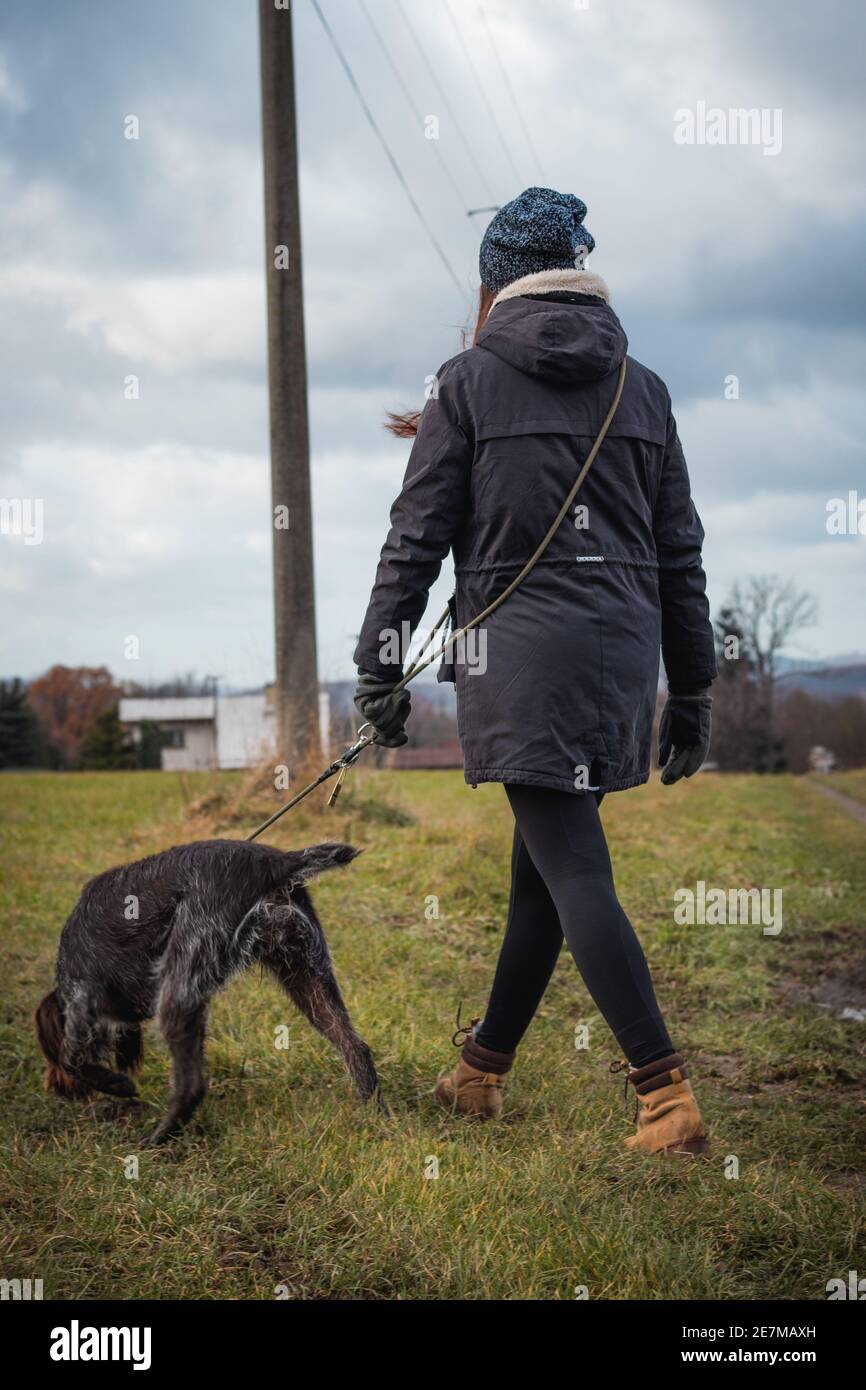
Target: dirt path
{"x": 857, "y": 809}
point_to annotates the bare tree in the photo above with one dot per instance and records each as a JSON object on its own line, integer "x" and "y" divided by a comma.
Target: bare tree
{"x": 768, "y": 610}
{"x": 759, "y": 619}
{"x": 181, "y": 684}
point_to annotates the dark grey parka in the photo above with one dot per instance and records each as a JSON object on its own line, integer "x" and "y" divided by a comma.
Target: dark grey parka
{"x": 560, "y": 689}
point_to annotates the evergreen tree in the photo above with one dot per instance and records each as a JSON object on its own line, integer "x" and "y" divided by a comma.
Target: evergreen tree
{"x": 150, "y": 744}
{"x": 20, "y": 744}
{"x": 107, "y": 746}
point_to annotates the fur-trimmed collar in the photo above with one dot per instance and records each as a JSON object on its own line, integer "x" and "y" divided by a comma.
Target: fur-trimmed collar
{"x": 545, "y": 281}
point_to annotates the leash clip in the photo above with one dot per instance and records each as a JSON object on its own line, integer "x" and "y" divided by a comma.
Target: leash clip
{"x": 335, "y": 790}
{"x": 346, "y": 761}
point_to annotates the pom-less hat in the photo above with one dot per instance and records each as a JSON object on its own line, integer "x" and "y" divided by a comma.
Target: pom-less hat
{"x": 540, "y": 230}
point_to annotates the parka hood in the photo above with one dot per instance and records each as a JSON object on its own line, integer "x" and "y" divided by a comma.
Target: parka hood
{"x": 556, "y": 325}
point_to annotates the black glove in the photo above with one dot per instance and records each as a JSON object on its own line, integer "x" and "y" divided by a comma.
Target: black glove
{"x": 685, "y": 728}
{"x": 387, "y": 712}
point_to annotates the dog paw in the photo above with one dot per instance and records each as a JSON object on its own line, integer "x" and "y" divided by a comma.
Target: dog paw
{"x": 124, "y": 1088}
{"x": 110, "y": 1083}
{"x": 155, "y": 1137}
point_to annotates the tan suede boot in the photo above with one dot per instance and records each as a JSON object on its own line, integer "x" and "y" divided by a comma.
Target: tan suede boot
{"x": 669, "y": 1121}
{"x": 475, "y": 1085}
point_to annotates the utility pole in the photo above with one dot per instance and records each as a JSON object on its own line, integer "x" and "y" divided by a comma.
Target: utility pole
{"x": 297, "y": 687}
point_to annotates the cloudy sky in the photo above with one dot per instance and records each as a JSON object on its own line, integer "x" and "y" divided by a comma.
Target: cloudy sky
{"x": 144, "y": 257}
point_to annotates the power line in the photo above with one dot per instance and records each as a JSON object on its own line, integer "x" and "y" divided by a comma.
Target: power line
{"x": 510, "y": 89}
{"x": 445, "y": 102}
{"x": 383, "y": 142}
{"x": 476, "y": 74}
{"x": 419, "y": 116}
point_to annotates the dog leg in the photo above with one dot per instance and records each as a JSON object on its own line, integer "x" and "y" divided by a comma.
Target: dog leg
{"x": 318, "y": 997}
{"x": 183, "y": 1030}
{"x": 128, "y": 1047}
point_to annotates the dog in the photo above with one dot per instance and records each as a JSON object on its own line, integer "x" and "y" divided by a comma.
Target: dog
{"x": 157, "y": 938}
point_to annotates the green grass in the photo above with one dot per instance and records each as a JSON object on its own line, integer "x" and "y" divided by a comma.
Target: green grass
{"x": 285, "y": 1180}
{"x": 851, "y": 783}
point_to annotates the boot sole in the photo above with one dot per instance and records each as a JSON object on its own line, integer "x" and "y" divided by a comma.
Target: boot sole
{"x": 453, "y": 1108}
{"x": 688, "y": 1147}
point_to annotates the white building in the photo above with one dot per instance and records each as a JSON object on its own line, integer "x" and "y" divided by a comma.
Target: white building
{"x": 821, "y": 759}
{"x": 202, "y": 732}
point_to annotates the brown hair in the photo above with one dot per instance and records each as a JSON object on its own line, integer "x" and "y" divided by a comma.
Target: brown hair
{"x": 405, "y": 426}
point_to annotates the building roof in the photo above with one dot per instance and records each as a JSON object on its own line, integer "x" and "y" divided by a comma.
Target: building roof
{"x": 174, "y": 709}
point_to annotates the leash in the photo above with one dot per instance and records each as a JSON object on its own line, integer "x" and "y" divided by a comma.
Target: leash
{"x": 340, "y": 766}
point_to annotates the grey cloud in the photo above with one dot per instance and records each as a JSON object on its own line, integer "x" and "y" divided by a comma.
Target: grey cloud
{"x": 716, "y": 266}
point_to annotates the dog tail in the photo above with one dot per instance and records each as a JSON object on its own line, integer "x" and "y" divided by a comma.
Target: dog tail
{"x": 49, "y": 1031}
{"x": 330, "y": 855}
{"x": 299, "y": 865}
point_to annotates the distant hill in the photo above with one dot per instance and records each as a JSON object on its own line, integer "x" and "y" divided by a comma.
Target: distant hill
{"x": 820, "y": 663}
{"x": 826, "y": 682}
{"x": 441, "y": 696}
{"x": 835, "y": 678}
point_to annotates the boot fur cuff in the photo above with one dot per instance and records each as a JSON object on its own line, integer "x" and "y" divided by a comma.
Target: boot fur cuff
{"x": 663, "y": 1072}
{"x": 485, "y": 1059}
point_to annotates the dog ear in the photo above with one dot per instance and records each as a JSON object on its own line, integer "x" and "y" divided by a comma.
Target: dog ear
{"x": 49, "y": 1026}
{"x": 49, "y": 1031}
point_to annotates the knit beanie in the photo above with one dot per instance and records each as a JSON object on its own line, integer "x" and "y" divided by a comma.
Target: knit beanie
{"x": 540, "y": 230}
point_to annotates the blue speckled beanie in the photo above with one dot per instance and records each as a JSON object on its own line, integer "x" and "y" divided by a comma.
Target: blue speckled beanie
{"x": 540, "y": 230}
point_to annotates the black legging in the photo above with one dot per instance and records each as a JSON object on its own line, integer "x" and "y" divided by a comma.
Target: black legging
{"x": 562, "y": 885}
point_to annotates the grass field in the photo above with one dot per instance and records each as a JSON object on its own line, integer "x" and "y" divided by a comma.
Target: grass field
{"x": 284, "y": 1180}
{"x": 851, "y": 783}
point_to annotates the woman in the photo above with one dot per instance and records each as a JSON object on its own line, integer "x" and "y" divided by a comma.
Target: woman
{"x": 557, "y": 700}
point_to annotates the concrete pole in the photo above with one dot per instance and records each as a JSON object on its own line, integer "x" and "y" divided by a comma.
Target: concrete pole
{"x": 294, "y": 592}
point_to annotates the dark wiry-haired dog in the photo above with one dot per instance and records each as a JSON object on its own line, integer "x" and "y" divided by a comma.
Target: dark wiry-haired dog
{"x": 159, "y": 937}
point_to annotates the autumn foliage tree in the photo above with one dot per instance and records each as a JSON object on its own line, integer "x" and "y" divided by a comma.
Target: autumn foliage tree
{"x": 67, "y": 700}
